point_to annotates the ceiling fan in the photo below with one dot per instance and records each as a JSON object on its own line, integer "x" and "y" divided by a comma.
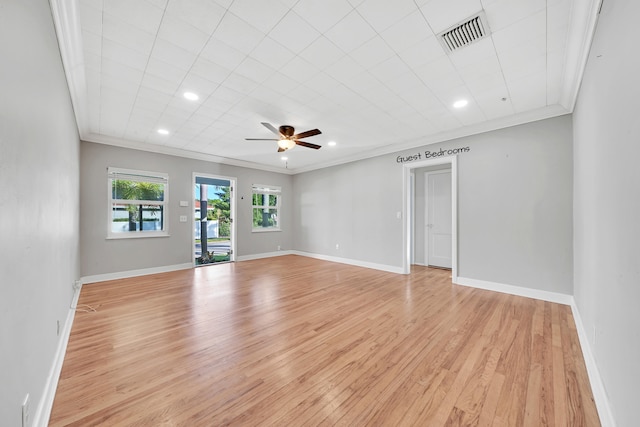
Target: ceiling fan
{"x": 287, "y": 139}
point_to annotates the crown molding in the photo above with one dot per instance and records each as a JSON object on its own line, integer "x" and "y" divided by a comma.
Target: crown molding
{"x": 179, "y": 152}
{"x": 584, "y": 20}
{"x": 479, "y": 128}
{"x": 66, "y": 20}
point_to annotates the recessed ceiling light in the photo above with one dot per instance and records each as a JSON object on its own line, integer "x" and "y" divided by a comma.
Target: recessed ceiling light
{"x": 461, "y": 103}
{"x": 331, "y": 143}
{"x": 191, "y": 96}
{"x": 163, "y": 132}
{"x": 284, "y": 158}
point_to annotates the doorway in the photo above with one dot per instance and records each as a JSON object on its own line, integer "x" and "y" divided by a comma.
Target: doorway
{"x": 213, "y": 227}
{"x": 411, "y": 222}
{"x": 437, "y": 209}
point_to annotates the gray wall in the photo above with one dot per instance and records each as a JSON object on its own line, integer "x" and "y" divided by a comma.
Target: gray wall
{"x": 102, "y": 256}
{"x": 38, "y": 203}
{"x": 514, "y": 207}
{"x": 607, "y": 206}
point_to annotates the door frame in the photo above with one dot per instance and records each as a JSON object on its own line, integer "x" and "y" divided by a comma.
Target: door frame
{"x": 232, "y": 207}
{"x": 426, "y": 210}
{"x": 408, "y": 213}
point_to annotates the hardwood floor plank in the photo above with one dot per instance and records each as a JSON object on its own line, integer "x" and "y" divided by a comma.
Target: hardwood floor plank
{"x": 297, "y": 341}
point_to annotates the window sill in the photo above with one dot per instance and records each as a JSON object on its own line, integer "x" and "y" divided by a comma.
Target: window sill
{"x": 136, "y": 235}
{"x": 264, "y": 230}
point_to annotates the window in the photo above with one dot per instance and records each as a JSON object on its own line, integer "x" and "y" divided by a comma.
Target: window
{"x": 266, "y": 207}
{"x": 137, "y": 203}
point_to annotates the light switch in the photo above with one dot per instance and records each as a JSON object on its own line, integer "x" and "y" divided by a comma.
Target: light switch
{"x": 183, "y": 218}
{"x": 184, "y": 203}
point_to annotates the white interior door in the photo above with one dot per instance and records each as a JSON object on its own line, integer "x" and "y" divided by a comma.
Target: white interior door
{"x": 438, "y": 218}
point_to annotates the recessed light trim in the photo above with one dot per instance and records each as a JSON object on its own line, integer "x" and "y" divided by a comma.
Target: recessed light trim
{"x": 460, "y": 103}
{"x": 163, "y": 132}
{"x": 331, "y": 143}
{"x": 191, "y": 96}
{"x": 284, "y": 158}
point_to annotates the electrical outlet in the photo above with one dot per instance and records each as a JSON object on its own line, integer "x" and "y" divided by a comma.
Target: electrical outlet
{"x": 279, "y": 248}
{"x": 337, "y": 246}
{"x": 25, "y": 411}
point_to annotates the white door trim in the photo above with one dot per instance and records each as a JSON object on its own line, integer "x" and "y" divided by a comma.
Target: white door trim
{"x": 407, "y": 217}
{"x": 233, "y": 183}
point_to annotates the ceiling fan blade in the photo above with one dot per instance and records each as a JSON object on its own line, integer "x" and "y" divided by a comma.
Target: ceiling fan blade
{"x": 280, "y": 149}
{"x": 307, "y": 144}
{"x": 260, "y": 139}
{"x": 271, "y": 128}
{"x": 306, "y": 134}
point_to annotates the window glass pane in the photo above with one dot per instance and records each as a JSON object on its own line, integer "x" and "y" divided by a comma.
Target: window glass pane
{"x": 258, "y": 199}
{"x": 136, "y": 217}
{"x": 273, "y": 200}
{"x": 135, "y": 190}
{"x": 265, "y": 218}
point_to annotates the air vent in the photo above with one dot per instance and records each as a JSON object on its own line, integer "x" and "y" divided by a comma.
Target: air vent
{"x": 465, "y": 33}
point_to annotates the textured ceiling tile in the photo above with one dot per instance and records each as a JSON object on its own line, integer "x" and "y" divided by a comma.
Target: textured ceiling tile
{"x": 299, "y": 70}
{"x": 223, "y": 54}
{"x": 202, "y": 14}
{"x": 117, "y": 52}
{"x": 372, "y": 52}
{"x": 381, "y": 14}
{"x": 389, "y": 69}
{"x": 263, "y": 15}
{"x": 271, "y": 53}
{"x": 238, "y": 34}
{"x": 294, "y": 33}
{"x": 169, "y": 53}
{"x": 140, "y": 14}
{"x": 351, "y": 32}
{"x": 166, "y": 71}
{"x": 209, "y": 70}
{"x": 91, "y": 18}
{"x": 344, "y": 69}
{"x": 504, "y": 13}
{"x": 323, "y": 15}
{"x": 322, "y": 82}
{"x": 440, "y": 15}
{"x": 254, "y": 70}
{"x": 322, "y": 53}
{"x": 280, "y": 83}
{"x": 198, "y": 85}
{"x": 421, "y": 53}
{"x": 159, "y": 84}
{"x": 183, "y": 35}
{"x": 127, "y": 35}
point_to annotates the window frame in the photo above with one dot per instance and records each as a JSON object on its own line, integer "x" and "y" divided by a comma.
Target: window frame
{"x": 267, "y": 190}
{"x": 115, "y": 173}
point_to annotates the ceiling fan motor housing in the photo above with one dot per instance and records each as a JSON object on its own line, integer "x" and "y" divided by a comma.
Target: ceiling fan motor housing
{"x": 287, "y": 131}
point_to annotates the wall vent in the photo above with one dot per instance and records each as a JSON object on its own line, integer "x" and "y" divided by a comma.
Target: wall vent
{"x": 465, "y": 33}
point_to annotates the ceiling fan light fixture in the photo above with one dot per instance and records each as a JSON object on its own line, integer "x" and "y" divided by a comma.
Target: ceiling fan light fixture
{"x": 286, "y": 144}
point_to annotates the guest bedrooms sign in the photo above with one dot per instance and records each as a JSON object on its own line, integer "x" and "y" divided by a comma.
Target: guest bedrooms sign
{"x": 432, "y": 154}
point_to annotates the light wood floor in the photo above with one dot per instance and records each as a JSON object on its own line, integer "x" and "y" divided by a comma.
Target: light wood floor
{"x": 293, "y": 341}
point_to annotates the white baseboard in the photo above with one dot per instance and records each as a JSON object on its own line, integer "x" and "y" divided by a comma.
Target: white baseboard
{"x": 597, "y": 386}
{"x": 263, "y": 255}
{"x": 365, "y": 264}
{"x": 515, "y": 290}
{"x": 135, "y": 273}
{"x": 43, "y": 412}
